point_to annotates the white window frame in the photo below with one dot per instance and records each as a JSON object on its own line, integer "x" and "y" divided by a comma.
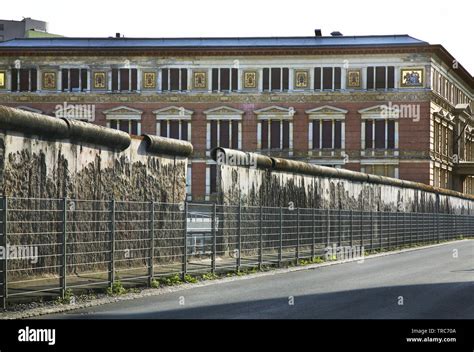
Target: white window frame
{"x": 181, "y": 88}
{"x": 122, "y": 114}
{"x": 223, "y": 113}
{"x": 375, "y": 113}
{"x": 325, "y": 113}
{"x": 275, "y": 113}
{"x": 173, "y": 113}
{"x": 270, "y": 90}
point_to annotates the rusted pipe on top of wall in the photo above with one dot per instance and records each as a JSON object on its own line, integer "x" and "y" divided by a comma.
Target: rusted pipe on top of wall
{"x": 240, "y": 158}
{"x": 167, "y": 146}
{"x": 86, "y": 132}
{"x": 30, "y": 123}
{"x": 300, "y": 167}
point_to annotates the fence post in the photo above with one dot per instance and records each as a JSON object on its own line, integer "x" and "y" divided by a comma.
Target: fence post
{"x": 151, "y": 263}
{"x": 63, "y": 282}
{"x": 437, "y": 225}
{"x": 185, "y": 241}
{"x": 5, "y": 260}
{"x": 280, "y": 246}
{"x": 328, "y": 227}
{"x": 214, "y": 238}
{"x": 297, "y": 235}
{"x": 340, "y": 226}
{"x": 351, "y": 225}
{"x": 313, "y": 229}
{"x": 112, "y": 243}
{"x": 380, "y": 229}
{"x": 239, "y": 238}
{"x": 396, "y": 229}
{"x": 371, "y": 229}
{"x": 361, "y": 222}
{"x": 260, "y": 241}
{"x": 455, "y": 226}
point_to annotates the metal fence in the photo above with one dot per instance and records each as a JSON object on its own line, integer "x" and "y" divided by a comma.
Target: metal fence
{"x": 60, "y": 244}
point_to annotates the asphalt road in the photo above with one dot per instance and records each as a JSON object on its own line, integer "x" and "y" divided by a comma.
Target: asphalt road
{"x": 427, "y": 283}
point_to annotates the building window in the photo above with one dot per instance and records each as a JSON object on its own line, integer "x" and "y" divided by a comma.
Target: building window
{"x": 327, "y": 78}
{"x": 129, "y": 126}
{"x": 275, "y": 134}
{"x": 224, "y": 128}
{"x": 74, "y": 80}
{"x": 327, "y": 134}
{"x": 224, "y": 133}
{"x": 24, "y": 80}
{"x": 441, "y": 176}
{"x": 326, "y": 128}
{"x": 124, "y": 80}
{"x": 124, "y": 119}
{"x": 224, "y": 79}
{"x": 3, "y": 79}
{"x": 174, "y": 122}
{"x": 380, "y": 77}
{"x": 189, "y": 178}
{"x": 177, "y": 129}
{"x": 443, "y": 139}
{"x": 275, "y": 129}
{"x": 387, "y": 170}
{"x": 174, "y": 79}
{"x": 276, "y": 79}
{"x": 211, "y": 180}
{"x": 379, "y": 131}
{"x": 380, "y": 134}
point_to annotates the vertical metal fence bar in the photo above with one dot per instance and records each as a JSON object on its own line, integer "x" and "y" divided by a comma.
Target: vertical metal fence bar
{"x": 184, "y": 269}
{"x": 371, "y": 229}
{"x": 437, "y": 226}
{"x": 340, "y": 226}
{"x": 214, "y": 238}
{"x": 361, "y": 214}
{"x": 280, "y": 246}
{"x": 389, "y": 229}
{"x": 313, "y": 231}
{"x": 239, "y": 238}
{"x": 260, "y": 239}
{"x": 151, "y": 262}
{"x": 396, "y": 230}
{"x": 328, "y": 227}
{"x": 297, "y": 236}
{"x": 5, "y": 260}
{"x": 63, "y": 282}
{"x": 380, "y": 230}
{"x": 351, "y": 227}
{"x": 112, "y": 243}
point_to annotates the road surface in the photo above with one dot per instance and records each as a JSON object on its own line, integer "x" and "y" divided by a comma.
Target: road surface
{"x": 435, "y": 283}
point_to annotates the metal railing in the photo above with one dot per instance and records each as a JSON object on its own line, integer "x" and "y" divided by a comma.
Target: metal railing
{"x": 60, "y": 244}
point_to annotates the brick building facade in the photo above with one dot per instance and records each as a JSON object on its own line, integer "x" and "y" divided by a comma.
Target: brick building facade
{"x": 389, "y": 105}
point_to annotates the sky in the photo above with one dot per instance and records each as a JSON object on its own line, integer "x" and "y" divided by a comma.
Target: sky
{"x": 448, "y": 23}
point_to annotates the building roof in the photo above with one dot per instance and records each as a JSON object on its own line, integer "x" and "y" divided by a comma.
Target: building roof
{"x": 234, "y": 45}
{"x": 244, "y": 42}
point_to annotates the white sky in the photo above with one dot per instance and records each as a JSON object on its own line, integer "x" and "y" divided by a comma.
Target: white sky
{"x": 436, "y": 21}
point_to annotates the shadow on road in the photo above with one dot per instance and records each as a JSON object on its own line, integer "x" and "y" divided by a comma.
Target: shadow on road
{"x": 453, "y": 300}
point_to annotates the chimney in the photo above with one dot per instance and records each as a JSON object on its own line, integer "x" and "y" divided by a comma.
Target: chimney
{"x": 317, "y": 33}
{"x": 336, "y": 34}
{"x": 117, "y": 35}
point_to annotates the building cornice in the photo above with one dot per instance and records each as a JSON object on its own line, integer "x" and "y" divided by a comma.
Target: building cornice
{"x": 235, "y": 98}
